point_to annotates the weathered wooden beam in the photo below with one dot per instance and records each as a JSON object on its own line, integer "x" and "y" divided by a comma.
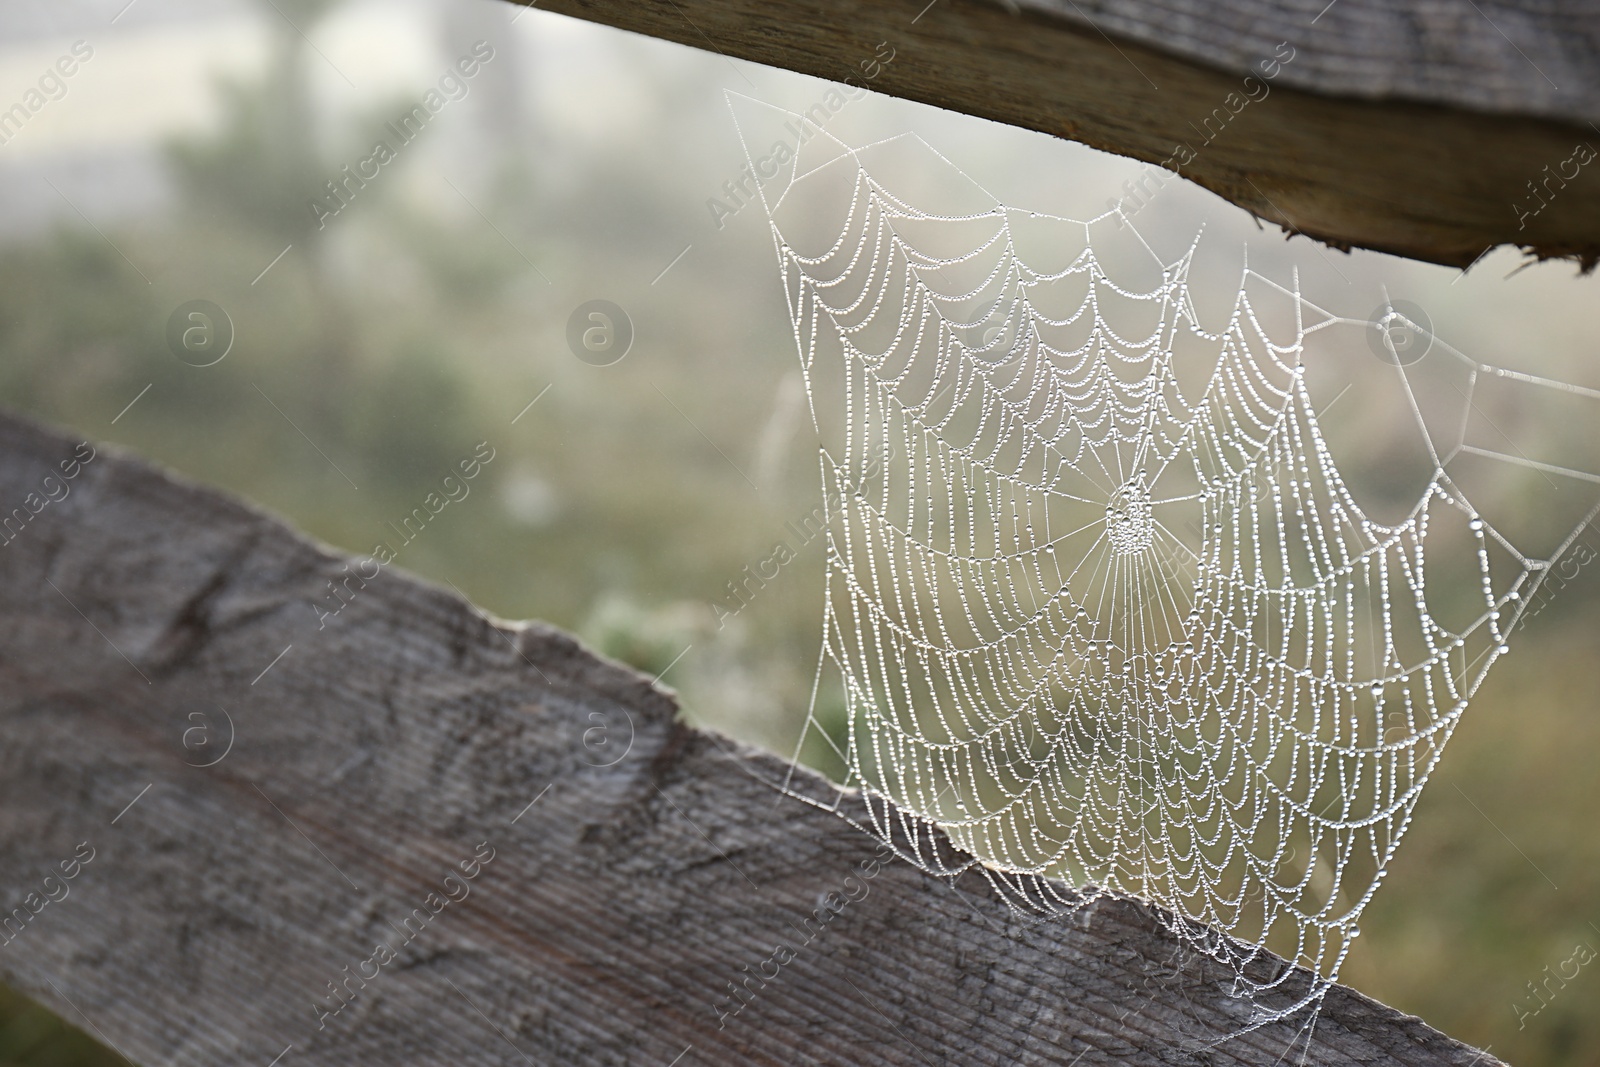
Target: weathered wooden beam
{"x": 1507, "y": 57}
{"x": 1423, "y": 128}
{"x": 216, "y": 809}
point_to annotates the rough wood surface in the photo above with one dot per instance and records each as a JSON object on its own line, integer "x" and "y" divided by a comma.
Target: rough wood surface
{"x": 1517, "y": 57}
{"x": 1418, "y": 128}
{"x": 638, "y": 866}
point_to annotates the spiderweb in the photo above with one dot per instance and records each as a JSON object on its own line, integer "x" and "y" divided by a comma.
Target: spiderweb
{"x": 1100, "y": 604}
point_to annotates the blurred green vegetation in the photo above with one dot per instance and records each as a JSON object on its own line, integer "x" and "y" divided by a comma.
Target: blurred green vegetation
{"x": 32, "y": 1037}
{"x": 620, "y": 507}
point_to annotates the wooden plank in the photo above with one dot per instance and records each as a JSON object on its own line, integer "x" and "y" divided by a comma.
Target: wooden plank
{"x": 1496, "y": 56}
{"x": 1417, "y": 128}
{"x": 558, "y": 870}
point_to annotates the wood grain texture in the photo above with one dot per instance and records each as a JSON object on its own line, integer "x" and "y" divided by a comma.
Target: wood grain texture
{"x": 1515, "y": 57}
{"x": 1424, "y": 147}
{"x": 639, "y": 866}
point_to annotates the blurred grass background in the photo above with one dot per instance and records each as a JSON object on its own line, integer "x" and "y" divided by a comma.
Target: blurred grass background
{"x": 424, "y": 317}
